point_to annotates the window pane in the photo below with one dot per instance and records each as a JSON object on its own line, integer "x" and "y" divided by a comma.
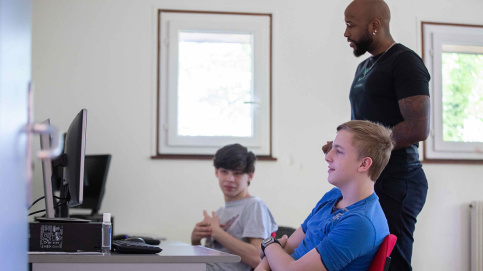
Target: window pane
{"x": 215, "y": 84}
{"x": 462, "y": 76}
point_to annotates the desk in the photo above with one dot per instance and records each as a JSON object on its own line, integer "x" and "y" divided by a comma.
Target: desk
{"x": 175, "y": 257}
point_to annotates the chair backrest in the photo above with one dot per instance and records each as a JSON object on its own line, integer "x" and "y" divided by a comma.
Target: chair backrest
{"x": 282, "y": 230}
{"x": 381, "y": 260}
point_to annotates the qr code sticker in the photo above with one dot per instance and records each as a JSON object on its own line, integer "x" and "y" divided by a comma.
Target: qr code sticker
{"x": 51, "y": 236}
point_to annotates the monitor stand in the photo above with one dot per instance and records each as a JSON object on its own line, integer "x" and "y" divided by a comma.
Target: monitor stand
{"x": 63, "y": 214}
{"x": 91, "y": 217}
{"x": 62, "y": 220}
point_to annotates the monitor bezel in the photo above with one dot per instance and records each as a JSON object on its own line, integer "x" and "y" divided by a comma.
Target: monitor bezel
{"x": 47, "y": 174}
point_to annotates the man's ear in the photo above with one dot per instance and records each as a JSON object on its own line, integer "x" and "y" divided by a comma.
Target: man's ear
{"x": 374, "y": 26}
{"x": 365, "y": 164}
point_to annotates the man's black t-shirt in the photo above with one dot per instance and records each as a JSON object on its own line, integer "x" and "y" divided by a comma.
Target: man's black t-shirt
{"x": 398, "y": 74}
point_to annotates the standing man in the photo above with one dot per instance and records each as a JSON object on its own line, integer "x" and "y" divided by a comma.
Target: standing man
{"x": 391, "y": 88}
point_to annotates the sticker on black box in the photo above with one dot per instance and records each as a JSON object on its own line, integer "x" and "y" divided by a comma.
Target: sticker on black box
{"x": 51, "y": 236}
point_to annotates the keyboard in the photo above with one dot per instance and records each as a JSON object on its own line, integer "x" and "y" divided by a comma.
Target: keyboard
{"x": 123, "y": 246}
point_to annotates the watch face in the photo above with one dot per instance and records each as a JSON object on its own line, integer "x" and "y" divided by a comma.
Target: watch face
{"x": 268, "y": 241}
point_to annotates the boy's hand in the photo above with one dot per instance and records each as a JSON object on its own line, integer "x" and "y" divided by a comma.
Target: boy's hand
{"x": 263, "y": 266}
{"x": 206, "y": 217}
{"x": 327, "y": 147}
{"x": 202, "y": 230}
{"x": 283, "y": 240}
{"x": 215, "y": 222}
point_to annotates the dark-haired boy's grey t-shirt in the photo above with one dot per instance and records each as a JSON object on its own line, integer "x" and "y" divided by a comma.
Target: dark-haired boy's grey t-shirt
{"x": 243, "y": 219}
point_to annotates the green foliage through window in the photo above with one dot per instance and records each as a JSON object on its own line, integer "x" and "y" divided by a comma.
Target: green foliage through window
{"x": 462, "y": 97}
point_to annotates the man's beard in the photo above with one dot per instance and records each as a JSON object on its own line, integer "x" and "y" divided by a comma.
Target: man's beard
{"x": 362, "y": 46}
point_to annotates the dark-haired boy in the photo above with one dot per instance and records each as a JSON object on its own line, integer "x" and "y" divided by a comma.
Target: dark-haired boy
{"x": 240, "y": 226}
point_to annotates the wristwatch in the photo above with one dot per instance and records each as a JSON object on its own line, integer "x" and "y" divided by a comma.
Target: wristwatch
{"x": 270, "y": 240}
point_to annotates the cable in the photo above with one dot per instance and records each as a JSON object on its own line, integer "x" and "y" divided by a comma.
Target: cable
{"x": 37, "y": 212}
{"x": 57, "y": 205}
{"x": 39, "y": 199}
{"x": 43, "y": 197}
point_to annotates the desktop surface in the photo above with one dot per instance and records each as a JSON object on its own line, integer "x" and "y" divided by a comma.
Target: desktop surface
{"x": 178, "y": 253}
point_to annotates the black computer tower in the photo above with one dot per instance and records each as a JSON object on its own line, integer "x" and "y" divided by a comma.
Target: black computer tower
{"x": 65, "y": 237}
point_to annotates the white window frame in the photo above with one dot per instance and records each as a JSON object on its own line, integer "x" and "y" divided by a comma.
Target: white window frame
{"x": 168, "y": 143}
{"x": 434, "y": 35}
{"x": 171, "y": 145}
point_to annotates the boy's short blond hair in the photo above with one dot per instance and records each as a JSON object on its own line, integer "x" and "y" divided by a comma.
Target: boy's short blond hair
{"x": 371, "y": 140}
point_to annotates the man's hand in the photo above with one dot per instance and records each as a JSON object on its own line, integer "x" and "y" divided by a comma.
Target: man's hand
{"x": 327, "y": 147}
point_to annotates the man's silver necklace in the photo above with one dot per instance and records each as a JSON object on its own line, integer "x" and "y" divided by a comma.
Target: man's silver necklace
{"x": 366, "y": 70}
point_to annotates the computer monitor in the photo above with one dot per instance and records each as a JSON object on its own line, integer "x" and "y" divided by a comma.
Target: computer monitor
{"x": 96, "y": 168}
{"x": 67, "y": 170}
{"x": 74, "y": 151}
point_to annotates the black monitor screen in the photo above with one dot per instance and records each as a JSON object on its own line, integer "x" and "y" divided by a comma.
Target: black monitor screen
{"x": 75, "y": 144}
{"x": 96, "y": 168}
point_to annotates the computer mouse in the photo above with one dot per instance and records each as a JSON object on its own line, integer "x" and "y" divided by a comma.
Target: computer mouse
{"x": 135, "y": 239}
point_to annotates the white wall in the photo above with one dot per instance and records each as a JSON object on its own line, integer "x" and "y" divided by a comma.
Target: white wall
{"x": 100, "y": 54}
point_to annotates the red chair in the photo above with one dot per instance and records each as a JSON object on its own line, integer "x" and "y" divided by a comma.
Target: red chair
{"x": 382, "y": 260}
